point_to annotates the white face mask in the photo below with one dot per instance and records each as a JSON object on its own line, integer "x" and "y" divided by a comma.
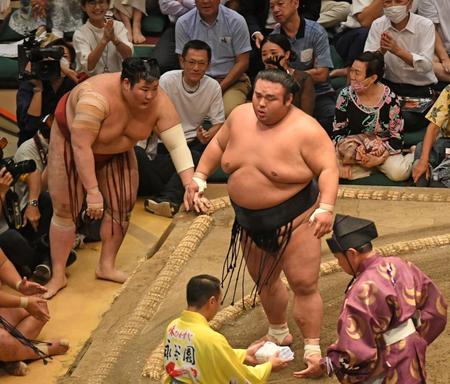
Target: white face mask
{"x": 396, "y": 13}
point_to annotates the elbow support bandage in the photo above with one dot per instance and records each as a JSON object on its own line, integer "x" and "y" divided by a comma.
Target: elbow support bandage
{"x": 175, "y": 142}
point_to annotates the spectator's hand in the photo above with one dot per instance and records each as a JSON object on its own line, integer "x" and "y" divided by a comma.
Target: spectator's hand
{"x": 258, "y": 37}
{"x": 38, "y": 8}
{"x": 421, "y": 168}
{"x": 323, "y": 223}
{"x": 30, "y": 288}
{"x": 70, "y": 73}
{"x": 370, "y": 161}
{"x": 446, "y": 64}
{"x": 31, "y": 215}
{"x": 4, "y": 5}
{"x": 203, "y": 136}
{"x": 388, "y": 43}
{"x": 94, "y": 200}
{"x": 277, "y": 363}
{"x": 5, "y": 181}
{"x": 108, "y": 31}
{"x": 37, "y": 307}
{"x": 251, "y": 350}
{"x": 313, "y": 370}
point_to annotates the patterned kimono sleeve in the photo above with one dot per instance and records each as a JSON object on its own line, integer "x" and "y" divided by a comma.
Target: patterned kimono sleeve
{"x": 431, "y": 306}
{"x": 364, "y": 316}
{"x": 341, "y": 122}
{"x": 395, "y": 125}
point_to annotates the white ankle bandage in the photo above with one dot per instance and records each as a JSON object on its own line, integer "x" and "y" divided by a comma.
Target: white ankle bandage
{"x": 311, "y": 349}
{"x": 278, "y": 332}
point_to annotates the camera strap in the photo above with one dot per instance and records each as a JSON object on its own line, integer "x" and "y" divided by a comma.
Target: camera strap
{"x": 11, "y": 210}
{"x": 40, "y": 147}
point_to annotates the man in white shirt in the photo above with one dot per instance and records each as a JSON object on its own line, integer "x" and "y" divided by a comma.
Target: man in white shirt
{"x": 407, "y": 42}
{"x": 198, "y": 101}
{"x": 438, "y": 12}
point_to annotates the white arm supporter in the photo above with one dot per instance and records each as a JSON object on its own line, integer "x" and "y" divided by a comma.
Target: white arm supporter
{"x": 175, "y": 142}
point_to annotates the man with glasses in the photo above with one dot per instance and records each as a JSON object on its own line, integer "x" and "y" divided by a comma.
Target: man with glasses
{"x": 226, "y": 32}
{"x": 392, "y": 311}
{"x": 198, "y": 100}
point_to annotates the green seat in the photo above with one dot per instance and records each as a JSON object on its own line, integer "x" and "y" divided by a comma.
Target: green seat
{"x": 143, "y": 50}
{"x": 336, "y": 58}
{"x": 413, "y": 138}
{"x": 153, "y": 24}
{"x": 9, "y": 72}
{"x": 376, "y": 178}
{"x": 7, "y": 34}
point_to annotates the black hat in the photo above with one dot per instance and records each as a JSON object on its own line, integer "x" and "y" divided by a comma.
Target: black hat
{"x": 351, "y": 232}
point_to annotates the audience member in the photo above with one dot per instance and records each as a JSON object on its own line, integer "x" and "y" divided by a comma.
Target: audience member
{"x": 58, "y": 15}
{"x": 438, "y": 12}
{"x": 130, "y": 13}
{"x": 333, "y": 12}
{"x": 101, "y": 43}
{"x": 309, "y": 41}
{"x": 276, "y": 53}
{"x": 368, "y": 125}
{"x": 24, "y": 315}
{"x": 196, "y": 98}
{"x": 432, "y": 152}
{"x": 352, "y": 33}
{"x": 189, "y": 358}
{"x": 37, "y": 98}
{"x": 407, "y": 43}
{"x": 164, "y": 50}
{"x": 226, "y": 32}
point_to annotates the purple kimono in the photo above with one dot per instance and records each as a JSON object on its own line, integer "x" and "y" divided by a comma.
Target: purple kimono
{"x": 387, "y": 292}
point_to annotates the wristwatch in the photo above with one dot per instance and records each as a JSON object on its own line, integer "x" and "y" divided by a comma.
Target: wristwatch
{"x": 33, "y": 203}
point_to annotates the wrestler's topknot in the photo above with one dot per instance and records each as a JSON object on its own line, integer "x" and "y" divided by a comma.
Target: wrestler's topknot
{"x": 280, "y": 77}
{"x": 136, "y": 69}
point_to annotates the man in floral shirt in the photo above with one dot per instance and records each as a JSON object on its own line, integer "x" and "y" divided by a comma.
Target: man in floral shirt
{"x": 432, "y": 151}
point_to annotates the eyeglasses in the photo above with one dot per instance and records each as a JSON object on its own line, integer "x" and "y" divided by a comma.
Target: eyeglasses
{"x": 100, "y": 3}
{"x": 193, "y": 63}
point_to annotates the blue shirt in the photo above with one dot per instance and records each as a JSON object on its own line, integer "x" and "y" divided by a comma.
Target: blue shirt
{"x": 228, "y": 37}
{"x": 312, "y": 49}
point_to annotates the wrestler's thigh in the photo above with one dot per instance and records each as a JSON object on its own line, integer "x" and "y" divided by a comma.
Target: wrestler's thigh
{"x": 117, "y": 178}
{"x": 301, "y": 260}
{"x": 254, "y": 256}
{"x": 58, "y": 181}
{"x": 13, "y": 315}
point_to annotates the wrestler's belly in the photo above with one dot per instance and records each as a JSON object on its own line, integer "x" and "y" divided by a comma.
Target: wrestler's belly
{"x": 118, "y": 145}
{"x": 249, "y": 188}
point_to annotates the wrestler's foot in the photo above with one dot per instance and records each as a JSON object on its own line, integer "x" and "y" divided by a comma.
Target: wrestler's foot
{"x": 111, "y": 274}
{"x": 54, "y": 347}
{"x": 54, "y": 286}
{"x": 16, "y": 368}
{"x": 138, "y": 37}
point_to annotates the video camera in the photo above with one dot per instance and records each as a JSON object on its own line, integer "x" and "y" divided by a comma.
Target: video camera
{"x": 12, "y": 206}
{"x": 44, "y": 62}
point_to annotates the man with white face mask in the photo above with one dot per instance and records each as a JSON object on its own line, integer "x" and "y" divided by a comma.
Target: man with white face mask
{"x": 407, "y": 43}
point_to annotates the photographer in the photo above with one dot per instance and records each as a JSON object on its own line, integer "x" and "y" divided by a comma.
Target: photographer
{"x": 37, "y": 98}
{"x": 15, "y": 246}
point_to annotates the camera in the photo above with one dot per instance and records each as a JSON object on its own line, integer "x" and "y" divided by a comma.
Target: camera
{"x": 12, "y": 207}
{"x": 44, "y": 62}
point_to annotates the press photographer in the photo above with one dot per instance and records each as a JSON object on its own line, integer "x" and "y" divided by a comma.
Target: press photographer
{"x": 45, "y": 75}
